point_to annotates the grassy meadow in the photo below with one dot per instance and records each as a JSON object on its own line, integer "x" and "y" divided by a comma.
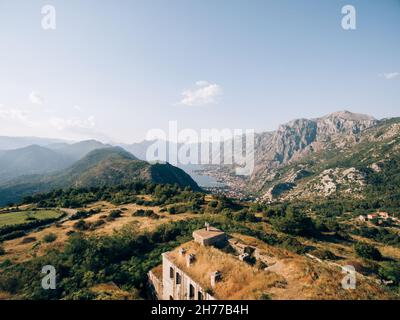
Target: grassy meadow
{"x": 21, "y": 217}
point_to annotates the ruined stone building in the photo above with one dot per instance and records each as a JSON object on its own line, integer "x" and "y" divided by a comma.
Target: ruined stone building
{"x": 197, "y": 270}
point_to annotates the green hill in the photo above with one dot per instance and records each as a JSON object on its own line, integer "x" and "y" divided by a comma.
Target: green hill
{"x": 101, "y": 167}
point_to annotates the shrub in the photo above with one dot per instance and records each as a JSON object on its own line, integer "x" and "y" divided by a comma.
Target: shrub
{"x": 146, "y": 213}
{"x": 382, "y": 235}
{"x": 114, "y": 214}
{"x": 367, "y": 251}
{"x": 327, "y": 225}
{"x": 390, "y": 271}
{"x": 79, "y": 215}
{"x": 81, "y": 225}
{"x": 97, "y": 224}
{"x": 82, "y": 214}
{"x": 240, "y": 215}
{"x": 6, "y": 263}
{"x": 294, "y": 223}
{"x": 293, "y": 245}
{"x": 140, "y": 201}
{"x": 172, "y": 210}
{"x": 251, "y": 217}
{"x": 180, "y": 208}
{"x": 139, "y": 213}
{"x": 2, "y": 250}
{"x": 50, "y": 237}
{"x": 264, "y": 296}
{"x": 213, "y": 204}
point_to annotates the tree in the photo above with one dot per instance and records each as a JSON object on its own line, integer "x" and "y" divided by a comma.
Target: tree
{"x": 367, "y": 251}
{"x": 81, "y": 225}
{"x": 294, "y": 223}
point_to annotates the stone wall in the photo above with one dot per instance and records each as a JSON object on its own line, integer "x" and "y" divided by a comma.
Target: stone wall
{"x": 156, "y": 286}
{"x": 182, "y": 290}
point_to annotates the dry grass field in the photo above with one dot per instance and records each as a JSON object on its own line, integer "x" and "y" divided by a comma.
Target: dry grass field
{"x": 17, "y": 250}
{"x": 306, "y": 278}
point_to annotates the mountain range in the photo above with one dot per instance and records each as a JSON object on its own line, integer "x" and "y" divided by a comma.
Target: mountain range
{"x": 303, "y": 159}
{"x": 329, "y": 157}
{"x": 10, "y": 143}
{"x": 40, "y": 159}
{"x": 358, "y": 166}
{"x": 302, "y": 137}
{"x": 98, "y": 168}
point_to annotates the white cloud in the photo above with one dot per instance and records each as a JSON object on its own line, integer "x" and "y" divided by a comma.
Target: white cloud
{"x": 390, "y": 75}
{"x": 78, "y": 108}
{"x": 202, "y": 83}
{"x": 36, "y": 98}
{"x": 203, "y": 93}
{"x": 73, "y": 123}
{"x": 16, "y": 114}
{"x": 33, "y": 122}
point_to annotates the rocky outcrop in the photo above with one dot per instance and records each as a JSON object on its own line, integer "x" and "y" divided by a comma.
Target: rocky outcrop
{"x": 300, "y": 137}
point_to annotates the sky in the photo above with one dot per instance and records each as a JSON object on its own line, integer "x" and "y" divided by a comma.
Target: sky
{"x": 113, "y": 70}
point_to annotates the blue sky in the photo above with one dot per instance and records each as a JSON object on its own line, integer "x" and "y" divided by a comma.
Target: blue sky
{"x": 112, "y": 70}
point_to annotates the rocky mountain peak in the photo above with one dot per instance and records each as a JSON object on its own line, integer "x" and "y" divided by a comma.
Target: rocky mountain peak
{"x": 348, "y": 116}
{"x": 299, "y": 137}
{"x": 344, "y": 122}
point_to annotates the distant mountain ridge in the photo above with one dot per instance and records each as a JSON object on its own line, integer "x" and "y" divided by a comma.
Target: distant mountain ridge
{"x": 11, "y": 143}
{"x": 100, "y": 167}
{"x": 36, "y": 159}
{"x": 77, "y": 150}
{"x": 33, "y": 159}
